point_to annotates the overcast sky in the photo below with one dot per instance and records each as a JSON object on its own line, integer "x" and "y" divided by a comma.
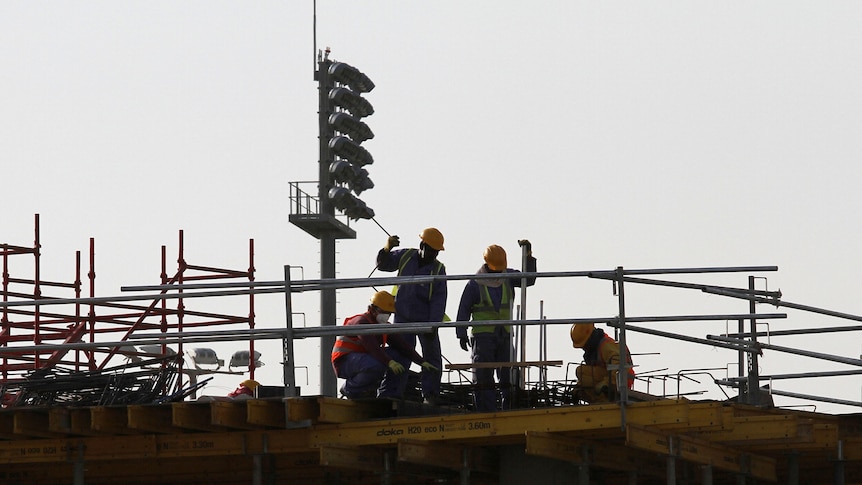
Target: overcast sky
{"x": 665, "y": 134}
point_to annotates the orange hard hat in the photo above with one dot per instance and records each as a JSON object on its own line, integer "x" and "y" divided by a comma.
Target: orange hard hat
{"x": 580, "y": 333}
{"x": 384, "y": 301}
{"x": 432, "y": 237}
{"x": 495, "y": 258}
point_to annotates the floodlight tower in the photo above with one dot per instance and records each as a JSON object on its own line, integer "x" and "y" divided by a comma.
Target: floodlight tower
{"x": 341, "y": 178}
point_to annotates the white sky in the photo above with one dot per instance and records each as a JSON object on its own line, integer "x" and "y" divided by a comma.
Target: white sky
{"x": 636, "y": 134}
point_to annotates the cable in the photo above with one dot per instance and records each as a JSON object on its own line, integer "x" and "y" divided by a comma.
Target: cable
{"x": 376, "y": 265}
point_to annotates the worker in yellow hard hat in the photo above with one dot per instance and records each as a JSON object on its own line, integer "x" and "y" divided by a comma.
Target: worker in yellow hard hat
{"x": 421, "y": 302}
{"x": 362, "y": 360}
{"x": 245, "y": 390}
{"x": 492, "y": 299}
{"x": 597, "y": 383}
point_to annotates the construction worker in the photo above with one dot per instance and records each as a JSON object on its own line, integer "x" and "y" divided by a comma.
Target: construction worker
{"x": 421, "y": 302}
{"x": 597, "y": 383}
{"x": 491, "y": 299}
{"x": 245, "y": 390}
{"x": 362, "y": 360}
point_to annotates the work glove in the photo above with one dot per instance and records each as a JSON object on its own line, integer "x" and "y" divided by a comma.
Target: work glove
{"x": 429, "y": 367}
{"x": 465, "y": 343}
{"x": 395, "y": 367}
{"x": 527, "y": 244}
{"x": 392, "y": 242}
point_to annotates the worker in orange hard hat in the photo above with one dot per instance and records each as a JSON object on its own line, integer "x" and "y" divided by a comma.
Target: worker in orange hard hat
{"x": 486, "y": 299}
{"x": 421, "y": 302}
{"x": 597, "y": 383}
{"x": 245, "y": 390}
{"x": 361, "y": 359}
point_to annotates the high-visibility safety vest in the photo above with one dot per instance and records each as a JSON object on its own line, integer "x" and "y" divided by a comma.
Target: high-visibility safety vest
{"x": 631, "y": 371}
{"x": 345, "y": 344}
{"x": 484, "y": 310}
{"x": 405, "y": 257}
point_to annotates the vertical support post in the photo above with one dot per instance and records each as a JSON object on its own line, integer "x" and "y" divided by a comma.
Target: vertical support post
{"x": 37, "y": 294}
{"x": 252, "y": 362}
{"x": 584, "y": 466}
{"x": 839, "y": 465}
{"x": 741, "y": 360}
{"x": 78, "y": 479}
{"x": 706, "y": 475}
{"x": 464, "y": 473}
{"x": 793, "y": 469}
{"x": 623, "y": 372}
{"x": 671, "y": 462}
{"x": 328, "y": 381}
{"x": 753, "y": 372}
{"x": 522, "y": 315}
{"x": 288, "y": 363}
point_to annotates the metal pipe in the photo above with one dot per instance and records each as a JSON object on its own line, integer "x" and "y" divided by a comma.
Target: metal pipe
{"x": 778, "y": 348}
{"x": 785, "y": 304}
{"x": 275, "y": 333}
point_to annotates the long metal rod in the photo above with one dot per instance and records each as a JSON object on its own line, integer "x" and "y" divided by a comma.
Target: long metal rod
{"x": 785, "y": 304}
{"x": 801, "y": 396}
{"x": 414, "y": 327}
{"x": 797, "y": 375}
{"x": 798, "y": 331}
{"x": 788, "y": 350}
{"x": 263, "y": 287}
{"x": 691, "y": 286}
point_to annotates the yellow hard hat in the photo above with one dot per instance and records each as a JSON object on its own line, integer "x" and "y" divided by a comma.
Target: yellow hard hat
{"x": 580, "y": 333}
{"x": 384, "y": 301}
{"x": 432, "y": 237}
{"x": 250, "y": 384}
{"x": 495, "y": 258}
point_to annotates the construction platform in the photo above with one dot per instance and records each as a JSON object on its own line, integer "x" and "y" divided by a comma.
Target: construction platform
{"x": 310, "y": 440}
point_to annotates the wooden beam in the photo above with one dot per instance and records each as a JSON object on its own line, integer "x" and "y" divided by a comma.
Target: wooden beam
{"x": 110, "y": 420}
{"x": 354, "y": 457}
{"x": 33, "y": 423}
{"x": 702, "y": 452}
{"x": 302, "y": 410}
{"x": 155, "y": 419}
{"x": 231, "y": 415}
{"x": 269, "y": 413}
{"x": 600, "y": 454}
{"x": 195, "y": 416}
{"x": 444, "y": 455}
{"x": 333, "y": 410}
{"x": 498, "y": 427}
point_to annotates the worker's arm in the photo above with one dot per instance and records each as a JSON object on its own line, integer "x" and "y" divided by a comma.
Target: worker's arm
{"x": 469, "y": 297}
{"x": 372, "y": 346}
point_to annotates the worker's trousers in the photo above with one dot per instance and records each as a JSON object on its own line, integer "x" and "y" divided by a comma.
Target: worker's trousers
{"x": 395, "y": 385}
{"x": 362, "y": 374}
{"x": 492, "y": 347}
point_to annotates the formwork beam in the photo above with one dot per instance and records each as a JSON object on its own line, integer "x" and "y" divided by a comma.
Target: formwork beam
{"x": 702, "y": 452}
{"x": 444, "y": 455}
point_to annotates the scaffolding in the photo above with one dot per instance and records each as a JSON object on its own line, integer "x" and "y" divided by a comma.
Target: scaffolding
{"x": 56, "y": 328}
